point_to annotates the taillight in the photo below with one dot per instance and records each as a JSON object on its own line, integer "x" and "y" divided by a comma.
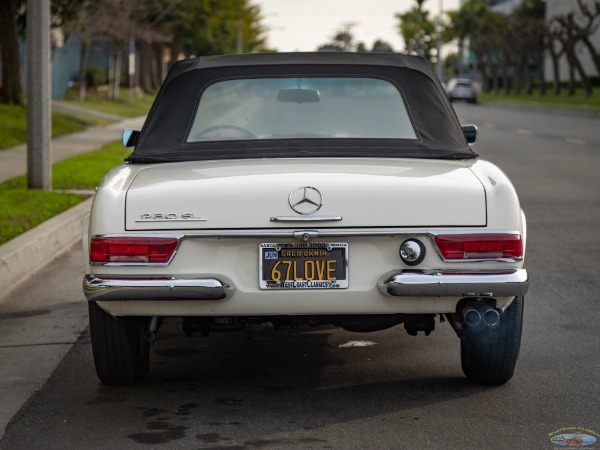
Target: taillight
{"x": 480, "y": 246}
{"x": 132, "y": 250}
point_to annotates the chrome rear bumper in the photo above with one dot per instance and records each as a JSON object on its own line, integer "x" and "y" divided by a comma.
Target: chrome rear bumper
{"x": 439, "y": 283}
{"x": 97, "y": 288}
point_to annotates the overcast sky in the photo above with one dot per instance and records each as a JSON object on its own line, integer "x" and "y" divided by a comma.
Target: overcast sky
{"x": 303, "y": 25}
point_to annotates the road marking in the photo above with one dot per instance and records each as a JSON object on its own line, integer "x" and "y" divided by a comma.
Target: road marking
{"x": 490, "y": 126}
{"x": 522, "y": 132}
{"x": 575, "y": 141}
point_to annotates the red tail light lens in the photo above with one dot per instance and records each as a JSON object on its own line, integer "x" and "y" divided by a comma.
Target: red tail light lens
{"x": 480, "y": 246}
{"x": 132, "y": 250}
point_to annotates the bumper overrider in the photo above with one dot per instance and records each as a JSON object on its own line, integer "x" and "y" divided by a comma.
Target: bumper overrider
{"x": 98, "y": 288}
{"x": 404, "y": 283}
{"x": 441, "y": 283}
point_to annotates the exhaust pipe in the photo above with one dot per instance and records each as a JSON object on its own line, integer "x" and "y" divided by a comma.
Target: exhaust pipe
{"x": 471, "y": 316}
{"x": 477, "y": 315}
{"x": 150, "y": 333}
{"x": 491, "y": 317}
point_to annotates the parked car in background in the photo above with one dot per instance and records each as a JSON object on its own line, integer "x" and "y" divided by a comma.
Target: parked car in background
{"x": 462, "y": 89}
{"x": 304, "y": 188}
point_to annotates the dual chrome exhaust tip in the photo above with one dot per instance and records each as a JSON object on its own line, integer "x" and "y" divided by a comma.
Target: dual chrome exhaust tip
{"x": 476, "y": 315}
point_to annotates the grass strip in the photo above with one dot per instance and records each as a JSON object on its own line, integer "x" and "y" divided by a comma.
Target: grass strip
{"x": 22, "y": 209}
{"x": 577, "y": 102}
{"x": 126, "y": 105}
{"x": 13, "y": 125}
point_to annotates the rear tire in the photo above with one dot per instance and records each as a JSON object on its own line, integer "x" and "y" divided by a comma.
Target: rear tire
{"x": 490, "y": 356}
{"x": 121, "y": 354}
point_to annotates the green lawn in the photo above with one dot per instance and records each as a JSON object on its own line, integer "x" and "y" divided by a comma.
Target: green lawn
{"x": 22, "y": 208}
{"x": 13, "y": 119}
{"x": 13, "y": 125}
{"x": 126, "y": 105}
{"x": 578, "y": 102}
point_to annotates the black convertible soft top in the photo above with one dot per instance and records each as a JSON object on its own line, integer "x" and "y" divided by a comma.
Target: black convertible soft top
{"x": 164, "y": 134}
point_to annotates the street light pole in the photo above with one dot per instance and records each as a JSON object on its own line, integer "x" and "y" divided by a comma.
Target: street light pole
{"x": 39, "y": 118}
{"x": 440, "y": 62}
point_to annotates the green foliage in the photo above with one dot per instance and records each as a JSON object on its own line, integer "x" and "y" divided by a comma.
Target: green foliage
{"x": 22, "y": 208}
{"x": 126, "y": 105}
{"x": 96, "y": 76}
{"x": 578, "y": 102}
{"x": 13, "y": 125}
{"x": 85, "y": 171}
{"x": 343, "y": 41}
{"x": 209, "y": 27}
{"x": 416, "y": 29}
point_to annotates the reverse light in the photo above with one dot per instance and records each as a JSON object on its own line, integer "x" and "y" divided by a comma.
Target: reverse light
{"x": 479, "y": 246}
{"x": 132, "y": 250}
{"x": 412, "y": 252}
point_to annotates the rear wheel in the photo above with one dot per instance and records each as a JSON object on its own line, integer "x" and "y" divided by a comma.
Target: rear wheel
{"x": 489, "y": 356}
{"x": 121, "y": 354}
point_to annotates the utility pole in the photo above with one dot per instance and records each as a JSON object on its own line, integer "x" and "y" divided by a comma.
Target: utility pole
{"x": 440, "y": 28}
{"x": 39, "y": 119}
{"x": 240, "y": 38}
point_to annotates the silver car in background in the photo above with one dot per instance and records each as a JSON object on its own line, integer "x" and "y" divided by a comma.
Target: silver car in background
{"x": 462, "y": 89}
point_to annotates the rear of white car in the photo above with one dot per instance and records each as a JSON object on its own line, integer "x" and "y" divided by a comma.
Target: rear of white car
{"x": 337, "y": 234}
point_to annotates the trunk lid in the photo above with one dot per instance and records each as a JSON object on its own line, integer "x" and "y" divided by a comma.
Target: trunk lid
{"x": 249, "y": 194}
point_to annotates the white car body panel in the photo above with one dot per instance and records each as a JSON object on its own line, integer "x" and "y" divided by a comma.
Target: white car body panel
{"x": 246, "y": 194}
{"x": 212, "y": 249}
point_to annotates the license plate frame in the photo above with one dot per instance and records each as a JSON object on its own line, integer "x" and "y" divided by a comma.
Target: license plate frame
{"x": 303, "y": 265}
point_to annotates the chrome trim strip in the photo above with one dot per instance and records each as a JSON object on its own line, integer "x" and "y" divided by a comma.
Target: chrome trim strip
{"x": 291, "y": 233}
{"x": 106, "y": 288}
{"x": 445, "y": 283}
{"x": 306, "y": 219}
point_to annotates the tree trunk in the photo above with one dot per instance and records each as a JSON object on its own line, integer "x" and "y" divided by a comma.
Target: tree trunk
{"x": 505, "y": 80}
{"x": 158, "y": 60}
{"x": 541, "y": 72}
{"x": 82, "y": 80}
{"x": 527, "y": 75}
{"x": 146, "y": 67}
{"x": 572, "y": 83}
{"x": 117, "y": 67}
{"x": 518, "y": 74}
{"x": 595, "y": 54}
{"x": 576, "y": 65}
{"x": 556, "y": 87}
{"x": 12, "y": 89}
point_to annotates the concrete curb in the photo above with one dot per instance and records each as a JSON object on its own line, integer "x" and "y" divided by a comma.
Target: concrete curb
{"x": 23, "y": 256}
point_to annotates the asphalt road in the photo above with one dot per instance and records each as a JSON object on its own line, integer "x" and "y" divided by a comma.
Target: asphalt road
{"x": 314, "y": 388}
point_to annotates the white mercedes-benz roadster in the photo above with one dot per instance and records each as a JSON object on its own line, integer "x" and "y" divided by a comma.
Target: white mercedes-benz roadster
{"x": 326, "y": 188}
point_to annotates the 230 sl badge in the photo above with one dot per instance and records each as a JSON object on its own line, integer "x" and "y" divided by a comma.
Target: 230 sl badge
{"x": 170, "y": 217}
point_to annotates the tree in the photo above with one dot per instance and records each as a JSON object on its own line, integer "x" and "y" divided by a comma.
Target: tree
{"x": 13, "y": 15}
{"x": 416, "y": 29}
{"x": 530, "y": 22}
{"x": 382, "y": 47}
{"x": 343, "y": 41}
{"x": 483, "y": 29}
{"x": 568, "y": 33}
{"x": 209, "y": 27}
{"x": 12, "y": 90}
{"x": 590, "y": 16}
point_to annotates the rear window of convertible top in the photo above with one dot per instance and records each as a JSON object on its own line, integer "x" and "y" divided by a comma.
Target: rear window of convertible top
{"x": 291, "y": 108}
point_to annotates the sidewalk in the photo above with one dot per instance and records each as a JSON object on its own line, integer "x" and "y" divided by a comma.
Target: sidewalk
{"x": 13, "y": 161}
{"x": 26, "y": 254}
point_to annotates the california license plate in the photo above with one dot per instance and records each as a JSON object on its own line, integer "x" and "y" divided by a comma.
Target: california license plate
{"x": 304, "y": 265}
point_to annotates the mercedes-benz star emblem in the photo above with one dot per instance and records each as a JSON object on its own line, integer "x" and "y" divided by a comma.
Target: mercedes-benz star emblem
{"x": 305, "y": 200}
